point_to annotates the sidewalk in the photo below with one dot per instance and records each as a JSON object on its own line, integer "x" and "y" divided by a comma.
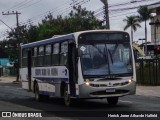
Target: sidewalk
{"x": 153, "y": 91}
{"x": 7, "y": 79}
{"x": 148, "y": 91}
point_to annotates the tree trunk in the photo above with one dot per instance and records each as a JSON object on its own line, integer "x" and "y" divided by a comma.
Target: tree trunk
{"x": 132, "y": 34}
{"x": 145, "y": 49}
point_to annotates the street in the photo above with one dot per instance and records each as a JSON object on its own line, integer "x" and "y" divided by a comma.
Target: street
{"x": 14, "y": 98}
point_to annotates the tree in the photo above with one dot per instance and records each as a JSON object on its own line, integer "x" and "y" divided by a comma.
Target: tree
{"x": 32, "y": 33}
{"x": 133, "y": 22}
{"x": 78, "y": 19}
{"x": 81, "y": 19}
{"x": 144, "y": 15}
{"x": 18, "y": 35}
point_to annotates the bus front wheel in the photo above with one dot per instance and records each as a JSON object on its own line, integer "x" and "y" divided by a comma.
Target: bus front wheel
{"x": 112, "y": 100}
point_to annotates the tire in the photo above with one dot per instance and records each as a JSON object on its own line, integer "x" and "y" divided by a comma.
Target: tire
{"x": 67, "y": 99}
{"x": 38, "y": 97}
{"x": 112, "y": 100}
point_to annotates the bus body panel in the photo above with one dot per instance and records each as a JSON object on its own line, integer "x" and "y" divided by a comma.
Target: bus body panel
{"x": 48, "y": 82}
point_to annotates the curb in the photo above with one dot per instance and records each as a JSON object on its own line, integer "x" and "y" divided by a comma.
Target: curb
{"x": 16, "y": 82}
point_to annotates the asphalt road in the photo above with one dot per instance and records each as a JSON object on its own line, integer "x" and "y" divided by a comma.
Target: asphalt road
{"x": 13, "y": 98}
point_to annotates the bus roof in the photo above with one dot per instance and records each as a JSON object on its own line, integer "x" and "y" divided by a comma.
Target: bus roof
{"x": 47, "y": 41}
{"x": 62, "y": 38}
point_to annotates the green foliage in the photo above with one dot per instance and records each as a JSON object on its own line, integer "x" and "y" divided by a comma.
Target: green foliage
{"x": 78, "y": 19}
{"x": 10, "y": 47}
{"x": 144, "y": 13}
{"x": 32, "y": 33}
{"x": 81, "y": 19}
{"x": 133, "y": 22}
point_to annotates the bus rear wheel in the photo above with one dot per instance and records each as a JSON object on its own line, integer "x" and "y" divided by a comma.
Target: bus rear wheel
{"x": 67, "y": 99}
{"x": 112, "y": 100}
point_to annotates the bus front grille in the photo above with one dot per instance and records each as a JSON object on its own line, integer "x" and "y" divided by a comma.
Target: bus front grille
{"x": 109, "y": 93}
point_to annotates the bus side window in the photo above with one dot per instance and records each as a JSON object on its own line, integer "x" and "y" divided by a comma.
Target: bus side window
{"x": 24, "y": 57}
{"x": 47, "y": 58}
{"x": 40, "y": 55}
{"x": 34, "y": 56}
{"x": 55, "y": 55}
{"x": 64, "y": 53}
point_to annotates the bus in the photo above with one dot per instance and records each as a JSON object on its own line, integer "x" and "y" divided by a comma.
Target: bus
{"x": 82, "y": 65}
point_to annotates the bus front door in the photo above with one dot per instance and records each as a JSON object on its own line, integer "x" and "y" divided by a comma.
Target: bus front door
{"x": 72, "y": 66}
{"x": 29, "y": 62}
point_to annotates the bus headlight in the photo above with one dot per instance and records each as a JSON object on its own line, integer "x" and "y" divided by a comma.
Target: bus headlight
{"x": 129, "y": 81}
{"x": 87, "y": 83}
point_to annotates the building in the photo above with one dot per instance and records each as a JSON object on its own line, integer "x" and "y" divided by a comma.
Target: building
{"x": 4, "y": 62}
{"x": 3, "y": 59}
{"x": 155, "y": 26}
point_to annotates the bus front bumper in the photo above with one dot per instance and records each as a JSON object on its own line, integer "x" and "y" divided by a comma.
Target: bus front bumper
{"x": 87, "y": 91}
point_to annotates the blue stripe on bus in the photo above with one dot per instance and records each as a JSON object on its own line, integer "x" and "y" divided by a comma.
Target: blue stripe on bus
{"x": 47, "y": 41}
{"x": 47, "y": 93}
{"x": 53, "y": 94}
{"x": 51, "y": 79}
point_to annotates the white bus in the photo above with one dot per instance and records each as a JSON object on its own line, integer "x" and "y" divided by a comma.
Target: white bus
{"x": 83, "y": 65}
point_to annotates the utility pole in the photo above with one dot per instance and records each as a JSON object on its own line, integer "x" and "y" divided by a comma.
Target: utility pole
{"x": 105, "y": 2}
{"x": 143, "y": 46}
{"x": 13, "y": 13}
{"x": 18, "y": 39}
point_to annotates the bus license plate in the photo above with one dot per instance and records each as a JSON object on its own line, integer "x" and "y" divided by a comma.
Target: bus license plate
{"x": 110, "y": 90}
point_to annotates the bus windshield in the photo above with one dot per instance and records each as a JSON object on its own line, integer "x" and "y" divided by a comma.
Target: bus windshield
{"x": 106, "y": 59}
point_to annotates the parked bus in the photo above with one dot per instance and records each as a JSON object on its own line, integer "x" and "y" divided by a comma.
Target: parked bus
{"x": 81, "y": 65}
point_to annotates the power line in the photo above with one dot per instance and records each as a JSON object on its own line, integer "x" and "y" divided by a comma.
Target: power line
{"x": 58, "y": 11}
{"x": 30, "y": 5}
{"x": 24, "y": 4}
{"x": 111, "y": 11}
{"x": 16, "y": 5}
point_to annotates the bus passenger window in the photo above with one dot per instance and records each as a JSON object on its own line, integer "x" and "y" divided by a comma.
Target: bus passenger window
{"x": 47, "y": 58}
{"x": 55, "y": 55}
{"x": 24, "y": 57}
{"x": 64, "y": 53}
{"x": 40, "y": 56}
{"x": 34, "y": 56}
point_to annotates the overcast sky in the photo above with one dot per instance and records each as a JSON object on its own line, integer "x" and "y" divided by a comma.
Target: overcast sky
{"x": 35, "y": 10}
